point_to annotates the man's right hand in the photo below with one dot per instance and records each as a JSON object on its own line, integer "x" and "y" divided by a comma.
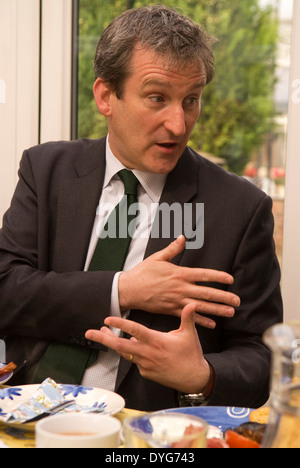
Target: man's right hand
{"x": 160, "y": 287}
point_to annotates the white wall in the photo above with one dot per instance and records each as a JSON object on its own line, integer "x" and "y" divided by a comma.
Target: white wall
{"x": 291, "y": 247}
{"x": 19, "y": 85}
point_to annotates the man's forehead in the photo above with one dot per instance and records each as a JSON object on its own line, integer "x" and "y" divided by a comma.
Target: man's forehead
{"x": 159, "y": 66}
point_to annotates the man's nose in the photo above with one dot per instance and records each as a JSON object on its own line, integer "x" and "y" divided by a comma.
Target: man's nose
{"x": 175, "y": 121}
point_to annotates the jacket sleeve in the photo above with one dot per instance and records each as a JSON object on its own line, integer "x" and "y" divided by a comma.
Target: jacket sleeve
{"x": 36, "y": 302}
{"x": 242, "y": 368}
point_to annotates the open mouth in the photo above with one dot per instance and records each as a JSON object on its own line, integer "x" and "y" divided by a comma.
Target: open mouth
{"x": 167, "y": 145}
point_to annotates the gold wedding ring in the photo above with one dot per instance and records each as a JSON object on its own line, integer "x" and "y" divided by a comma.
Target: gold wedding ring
{"x": 130, "y": 358}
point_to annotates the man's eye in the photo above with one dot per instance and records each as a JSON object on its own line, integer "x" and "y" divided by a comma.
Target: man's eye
{"x": 191, "y": 101}
{"x": 157, "y": 99}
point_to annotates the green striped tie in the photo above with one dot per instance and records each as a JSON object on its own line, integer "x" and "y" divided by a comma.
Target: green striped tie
{"x": 66, "y": 363}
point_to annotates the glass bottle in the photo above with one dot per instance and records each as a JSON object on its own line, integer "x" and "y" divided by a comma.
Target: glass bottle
{"x": 284, "y": 424}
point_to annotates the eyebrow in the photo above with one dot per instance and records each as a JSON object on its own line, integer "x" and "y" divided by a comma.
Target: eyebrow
{"x": 166, "y": 84}
{"x": 155, "y": 82}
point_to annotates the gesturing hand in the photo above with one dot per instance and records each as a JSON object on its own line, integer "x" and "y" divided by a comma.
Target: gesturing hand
{"x": 173, "y": 359}
{"x": 158, "y": 286}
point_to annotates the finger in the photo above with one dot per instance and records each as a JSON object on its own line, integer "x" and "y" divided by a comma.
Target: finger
{"x": 211, "y": 308}
{"x": 122, "y": 346}
{"x": 205, "y": 322}
{"x": 95, "y": 335}
{"x": 134, "y": 329}
{"x": 212, "y": 295}
{"x": 107, "y": 330}
{"x": 204, "y": 275}
{"x": 128, "y": 357}
{"x": 188, "y": 317}
{"x": 134, "y": 339}
{"x": 131, "y": 357}
{"x": 171, "y": 251}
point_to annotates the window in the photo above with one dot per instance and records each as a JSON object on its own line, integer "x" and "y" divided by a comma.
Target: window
{"x": 243, "y": 125}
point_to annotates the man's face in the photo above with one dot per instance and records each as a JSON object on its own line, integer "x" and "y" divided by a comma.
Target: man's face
{"x": 150, "y": 125}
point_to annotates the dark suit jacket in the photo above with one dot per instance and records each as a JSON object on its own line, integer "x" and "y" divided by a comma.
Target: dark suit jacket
{"x": 45, "y": 295}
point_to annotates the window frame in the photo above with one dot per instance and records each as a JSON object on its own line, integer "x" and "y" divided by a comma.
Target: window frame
{"x": 291, "y": 240}
{"x": 56, "y": 70}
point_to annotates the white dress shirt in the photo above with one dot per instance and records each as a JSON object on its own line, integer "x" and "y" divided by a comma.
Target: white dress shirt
{"x": 103, "y": 372}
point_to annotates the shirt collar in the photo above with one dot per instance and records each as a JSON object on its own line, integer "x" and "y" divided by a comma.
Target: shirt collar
{"x": 152, "y": 184}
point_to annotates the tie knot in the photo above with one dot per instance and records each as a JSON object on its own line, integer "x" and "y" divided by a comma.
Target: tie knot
{"x": 130, "y": 182}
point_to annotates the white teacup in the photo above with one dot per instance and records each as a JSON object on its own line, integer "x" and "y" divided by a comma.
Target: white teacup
{"x": 78, "y": 431}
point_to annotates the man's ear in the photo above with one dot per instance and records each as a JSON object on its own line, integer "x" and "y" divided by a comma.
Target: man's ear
{"x": 103, "y": 94}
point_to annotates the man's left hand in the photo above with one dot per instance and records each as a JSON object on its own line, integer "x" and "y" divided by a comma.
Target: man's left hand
{"x": 174, "y": 359}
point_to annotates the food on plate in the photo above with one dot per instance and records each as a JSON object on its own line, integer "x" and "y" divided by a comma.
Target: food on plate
{"x": 248, "y": 435}
{"x": 191, "y": 430}
{"x": 252, "y": 431}
{"x": 215, "y": 442}
{"x": 260, "y": 415}
{"x": 8, "y": 369}
{"x": 235, "y": 440}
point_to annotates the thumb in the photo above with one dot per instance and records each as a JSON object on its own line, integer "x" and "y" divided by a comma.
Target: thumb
{"x": 172, "y": 250}
{"x": 188, "y": 317}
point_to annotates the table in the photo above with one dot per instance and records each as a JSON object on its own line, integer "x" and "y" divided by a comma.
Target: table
{"x": 16, "y": 438}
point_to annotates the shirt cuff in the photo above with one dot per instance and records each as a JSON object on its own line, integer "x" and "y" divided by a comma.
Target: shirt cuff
{"x": 115, "y": 310}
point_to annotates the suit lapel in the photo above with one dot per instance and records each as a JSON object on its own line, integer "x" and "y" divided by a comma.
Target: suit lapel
{"x": 78, "y": 199}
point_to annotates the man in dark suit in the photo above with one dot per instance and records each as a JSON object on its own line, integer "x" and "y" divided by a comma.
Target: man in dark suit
{"x": 170, "y": 286}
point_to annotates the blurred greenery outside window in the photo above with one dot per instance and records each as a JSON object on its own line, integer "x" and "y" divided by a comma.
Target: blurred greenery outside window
{"x": 243, "y": 121}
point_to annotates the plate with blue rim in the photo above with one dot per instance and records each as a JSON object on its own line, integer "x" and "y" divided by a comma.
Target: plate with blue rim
{"x": 222, "y": 417}
{"x": 100, "y": 400}
{"x": 5, "y": 378}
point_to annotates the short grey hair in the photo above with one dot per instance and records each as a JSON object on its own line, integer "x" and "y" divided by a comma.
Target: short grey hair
{"x": 158, "y": 28}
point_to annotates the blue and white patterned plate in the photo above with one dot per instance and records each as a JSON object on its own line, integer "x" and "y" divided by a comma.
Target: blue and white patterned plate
{"x": 5, "y": 378}
{"x": 222, "y": 417}
{"x": 13, "y": 397}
